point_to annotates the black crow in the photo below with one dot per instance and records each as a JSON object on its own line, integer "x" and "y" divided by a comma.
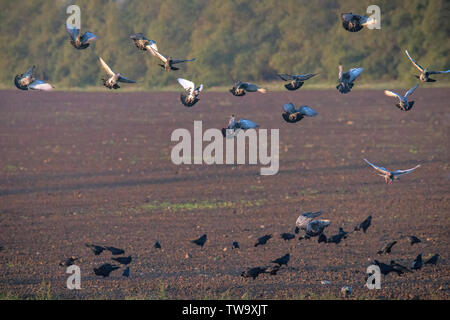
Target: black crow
{"x": 126, "y": 272}
{"x": 123, "y": 260}
{"x": 96, "y": 249}
{"x": 105, "y": 269}
{"x": 287, "y": 236}
{"x": 115, "y": 251}
{"x": 157, "y": 245}
{"x": 399, "y": 266}
{"x": 263, "y": 240}
{"x": 364, "y": 225}
{"x": 337, "y": 238}
{"x": 200, "y": 241}
{"x": 414, "y": 240}
{"x": 68, "y": 262}
{"x": 253, "y": 272}
{"x": 322, "y": 238}
{"x": 433, "y": 259}
{"x": 236, "y": 245}
{"x": 297, "y": 230}
{"x": 417, "y": 263}
{"x": 283, "y": 260}
{"x": 385, "y": 269}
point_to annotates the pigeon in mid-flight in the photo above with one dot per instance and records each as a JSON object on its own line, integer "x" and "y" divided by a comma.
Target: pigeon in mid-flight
{"x": 191, "y": 96}
{"x": 347, "y": 79}
{"x": 169, "y": 61}
{"x": 26, "y": 81}
{"x": 241, "y": 88}
{"x": 114, "y": 78}
{"x": 143, "y": 43}
{"x": 78, "y": 40}
{"x": 404, "y": 104}
{"x": 292, "y": 114}
{"x": 105, "y": 269}
{"x": 296, "y": 81}
{"x": 424, "y": 73}
{"x": 354, "y": 23}
{"x": 390, "y": 176}
{"x": 311, "y": 227}
{"x": 234, "y": 126}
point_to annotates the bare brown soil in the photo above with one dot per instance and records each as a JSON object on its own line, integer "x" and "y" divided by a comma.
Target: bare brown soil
{"x": 80, "y": 168}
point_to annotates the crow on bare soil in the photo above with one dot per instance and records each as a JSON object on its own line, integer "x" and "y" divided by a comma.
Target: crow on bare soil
{"x": 96, "y": 249}
{"x": 283, "y": 260}
{"x": 413, "y": 240}
{"x": 105, "y": 269}
{"x": 68, "y": 262}
{"x": 115, "y": 251}
{"x": 263, "y": 240}
{"x": 200, "y": 241}
{"x": 399, "y": 266}
{"x": 385, "y": 269}
{"x": 364, "y": 225}
{"x": 287, "y": 236}
{"x": 126, "y": 272}
{"x": 433, "y": 259}
{"x": 253, "y": 272}
{"x": 387, "y": 248}
{"x": 417, "y": 263}
{"x": 123, "y": 260}
{"x": 236, "y": 245}
{"x": 157, "y": 245}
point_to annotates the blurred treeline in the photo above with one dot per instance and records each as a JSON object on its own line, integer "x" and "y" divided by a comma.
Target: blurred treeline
{"x": 231, "y": 39}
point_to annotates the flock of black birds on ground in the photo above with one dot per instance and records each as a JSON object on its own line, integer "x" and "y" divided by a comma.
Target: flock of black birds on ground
{"x": 307, "y": 221}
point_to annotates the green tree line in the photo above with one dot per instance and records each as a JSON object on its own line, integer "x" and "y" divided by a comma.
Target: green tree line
{"x": 248, "y": 40}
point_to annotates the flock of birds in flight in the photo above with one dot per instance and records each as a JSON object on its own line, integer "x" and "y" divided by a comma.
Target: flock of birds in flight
{"x": 307, "y": 222}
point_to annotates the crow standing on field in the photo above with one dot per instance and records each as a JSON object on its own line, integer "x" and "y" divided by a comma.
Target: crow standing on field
{"x": 123, "y": 260}
{"x": 263, "y": 240}
{"x": 283, "y": 260}
{"x": 399, "y": 267}
{"x": 115, "y": 251}
{"x": 417, "y": 263}
{"x": 126, "y": 272}
{"x": 287, "y": 236}
{"x": 157, "y": 245}
{"x": 68, "y": 262}
{"x": 253, "y": 272}
{"x": 387, "y": 248}
{"x": 105, "y": 269}
{"x": 414, "y": 239}
{"x": 385, "y": 269}
{"x": 200, "y": 241}
{"x": 96, "y": 249}
{"x": 235, "y": 245}
{"x": 433, "y": 259}
{"x": 337, "y": 238}
{"x": 364, "y": 225}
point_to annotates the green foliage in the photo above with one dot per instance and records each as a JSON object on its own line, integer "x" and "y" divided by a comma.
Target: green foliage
{"x": 233, "y": 39}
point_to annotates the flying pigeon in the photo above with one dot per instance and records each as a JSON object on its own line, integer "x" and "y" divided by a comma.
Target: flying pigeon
{"x": 200, "y": 241}
{"x": 283, "y": 260}
{"x": 96, "y": 249}
{"x": 240, "y": 88}
{"x": 354, "y": 23}
{"x": 390, "y": 176}
{"x": 26, "y": 81}
{"x": 404, "y": 104}
{"x": 79, "y": 41}
{"x": 292, "y": 114}
{"x": 312, "y": 227}
{"x": 123, "y": 260}
{"x": 167, "y": 62}
{"x": 114, "y": 78}
{"x": 424, "y": 73}
{"x": 365, "y": 224}
{"x": 105, "y": 269}
{"x": 346, "y": 79}
{"x": 296, "y": 81}
{"x": 234, "y": 126}
{"x": 191, "y": 96}
{"x": 387, "y": 248}
{"x": 143, "y": 43}
{"x": 263, "y": 240}
{"x": 417, "y": 263}
{"x": 115, "y": 251}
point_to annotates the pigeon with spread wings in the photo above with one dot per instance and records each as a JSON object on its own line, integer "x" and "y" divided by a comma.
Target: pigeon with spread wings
{"x": 234, "y": 126}
{"x": 424, "y": 73}
{"x": 346, "y": 79}
{"x": 169, "y": 61}
{"x": 114, "y": 78}
{"x": 292, "y": 114}
{"x": 240, "y": 88}
{"x": 143, "y": 43}
{"x": 404, "y": 104}
{"x": 27, "y": 81}
{"x": 354, "y": 23}
{"x": 296, "y": 81}
{"x": 192, "y": 93}
{"x": 311, "y": 227}
{"x": 79, "y": 41}
{"x": 390, "y": 176}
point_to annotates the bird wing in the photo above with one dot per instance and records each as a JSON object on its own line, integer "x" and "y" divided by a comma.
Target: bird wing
{"x": 159, "y": 55}
{"x": 152, "y": 47}
{"x": 400, "y": 172}
{"x": 438, "y": 72}
{"x": 307, "y": 111}
{"x": 180, "y": 61}
{"x": 413, "y": 62}
{"x": 123, "y": 79}
{"x": 306, "y": 217}
{"x": 186, "y": 84}
{"x": 199, "y": 88}
{"x": 289, "y": 107}
{"x": 249, "y": 87}
{"x": 88, "y": 37}
{"x": 247, "y": 124}
{"x": 73, "y": 32}
{"x": 40, "y": 85}
{"x": 106, "y": 67}
{"x": 29, "y": 72}
{"x": 303, "y": 77}
{"x": 410, "y": 91}
{"x": 393, "y": 94}
{"x": 379, "y": 169}
{"x": 354, "y": 73}
{"x": 286, "y": 77}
